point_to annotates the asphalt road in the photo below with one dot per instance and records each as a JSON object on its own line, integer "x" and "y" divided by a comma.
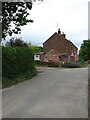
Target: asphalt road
{"x": 53, "y": 93}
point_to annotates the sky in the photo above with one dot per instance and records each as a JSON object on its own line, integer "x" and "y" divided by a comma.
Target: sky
{"x": 71, "y": 16}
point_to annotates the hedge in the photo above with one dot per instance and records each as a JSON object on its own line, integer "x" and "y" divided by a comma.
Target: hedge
{"x": 17, "y": 61}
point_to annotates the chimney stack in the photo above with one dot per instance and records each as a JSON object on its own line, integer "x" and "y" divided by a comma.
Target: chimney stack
{"x": 63, "y": 35}
{"x": 59, "y": 32}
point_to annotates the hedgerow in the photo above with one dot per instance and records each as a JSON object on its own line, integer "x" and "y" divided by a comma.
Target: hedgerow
{"x": 17, "y": 61}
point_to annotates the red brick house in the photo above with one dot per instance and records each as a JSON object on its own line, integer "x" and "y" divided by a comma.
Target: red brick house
{"x": 58, "y": 49}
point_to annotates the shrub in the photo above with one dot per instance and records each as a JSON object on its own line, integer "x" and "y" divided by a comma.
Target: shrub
{"x": 84, "y": 64}
{"x": 17, "y": 61}
{"x": 40, "y": 63}
{"x": 72, "y": 65}
{"x": 88, "y": 61}
{"x": 49, "y": 64}
{"x": 8, "y": 82}
{"x": 52, "y": 64}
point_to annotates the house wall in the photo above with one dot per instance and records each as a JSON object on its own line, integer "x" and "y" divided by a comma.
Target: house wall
{"x": 73, "y": 54}
{"x": 51, "y": 56}
{"x": 41, "y": 56}
{"x": 57, "y": 45}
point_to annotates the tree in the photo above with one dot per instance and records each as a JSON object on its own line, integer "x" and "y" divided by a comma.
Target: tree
{"x": 18, "y": 42}
{"x": 84, "y": 52}
{"x": 36, "y": 48}
{"x": 16, "y": 13}
{"x": 40, "y": 48}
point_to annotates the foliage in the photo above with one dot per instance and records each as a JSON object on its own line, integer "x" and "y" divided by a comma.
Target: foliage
{"x": 17, "y": 61}
{"x": 71, "y": 65}
{"x": 85, "y": 65}
{"x": 60, "y": 65}
{"x": 16, "y": 13}
{"x": 47, "y": 64}
{"x": 84, "y": 52}
{"x": 36, "y": 48}
{"x": 39, "y": 63}
{"x": 40, "y": 48}
{"x": 18, "y": 42}
{"x": 6, "y": 82}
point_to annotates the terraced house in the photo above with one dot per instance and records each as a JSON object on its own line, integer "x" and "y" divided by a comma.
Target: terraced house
{"x": 58, "y": 49}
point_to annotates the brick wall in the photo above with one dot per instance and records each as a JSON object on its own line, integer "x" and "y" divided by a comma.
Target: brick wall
{"x": 57, "y": 45}
{"x": 41, "y": 56}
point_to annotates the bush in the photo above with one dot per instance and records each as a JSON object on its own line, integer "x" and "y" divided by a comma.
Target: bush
{"x": 72, "y": 65}
{"x": 53, "y": 64}
{"x": 85, "y": 65}
{"x": 48, "y": 64}
{"x": 17, "y": 61}
{"x": 8, "y": 82}
{"x": 39, "y": 63}
{"x": 88, "y": 61}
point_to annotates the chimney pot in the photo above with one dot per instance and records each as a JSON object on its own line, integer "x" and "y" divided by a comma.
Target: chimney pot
{"x": 64, "y": 35}
{"x": 59, "y": 32}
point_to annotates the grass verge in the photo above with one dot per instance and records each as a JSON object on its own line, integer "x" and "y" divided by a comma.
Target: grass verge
{"x": 84, "y": 65}
{"x": 64, "y": 66}
{"x": 9, "y": 82}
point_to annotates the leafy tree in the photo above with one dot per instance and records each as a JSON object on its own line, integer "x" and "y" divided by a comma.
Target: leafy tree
{"x": 84, "y": 52}
{"x": 40, "y": 48}
{"x": 18, "y": 42}
{"x": 16, "y": 13}
{"x": 36, "y": 48}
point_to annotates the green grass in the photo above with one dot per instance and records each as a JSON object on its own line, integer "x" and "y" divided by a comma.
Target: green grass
{"x": 9, "y": 82}
{"x": 84, "y": 65}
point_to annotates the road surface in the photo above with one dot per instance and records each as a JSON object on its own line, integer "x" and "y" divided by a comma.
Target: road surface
{"x": 53, "y": 93}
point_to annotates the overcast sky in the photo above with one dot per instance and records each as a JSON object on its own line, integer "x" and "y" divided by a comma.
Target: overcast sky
{"x": 71, "y": 16}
